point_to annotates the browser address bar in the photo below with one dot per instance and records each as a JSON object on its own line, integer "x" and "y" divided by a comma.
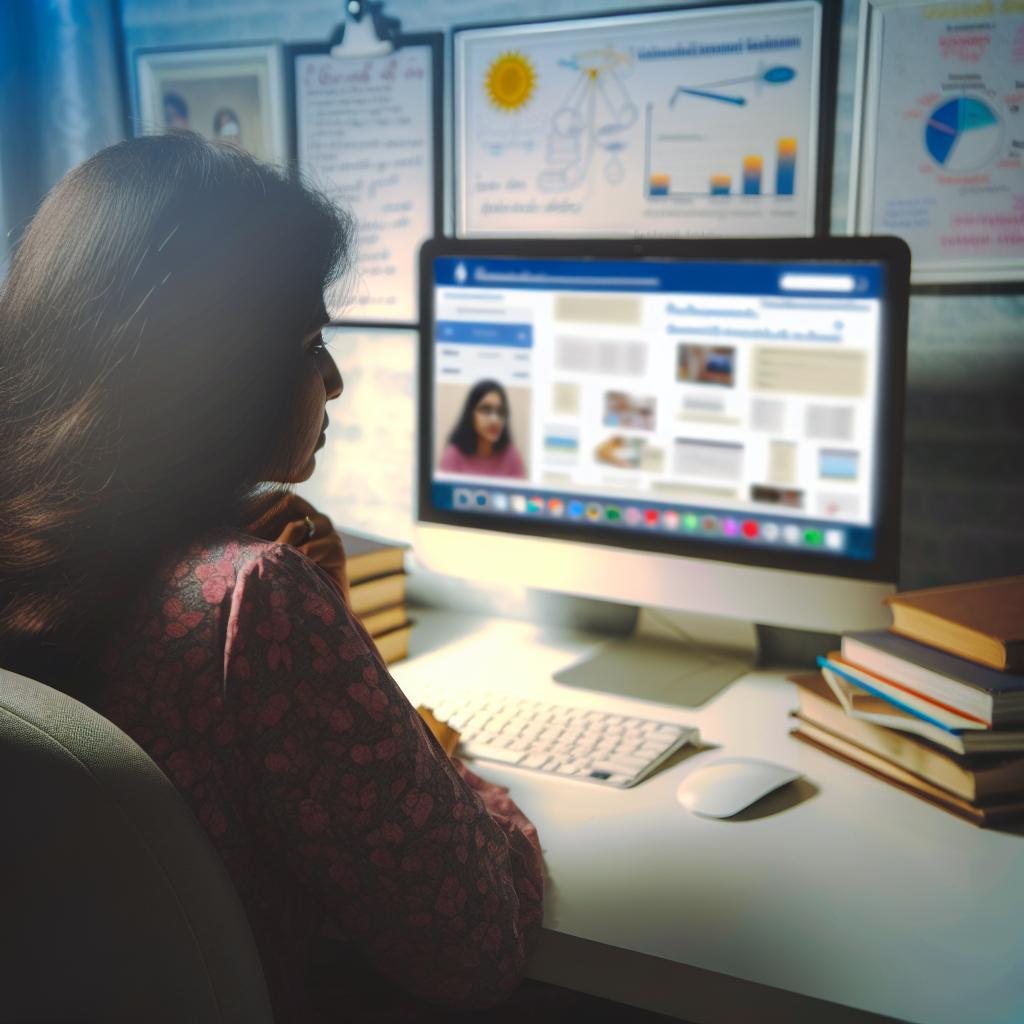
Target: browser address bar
{"x": 817, "y": 283}
{"x": 529, "y": 277}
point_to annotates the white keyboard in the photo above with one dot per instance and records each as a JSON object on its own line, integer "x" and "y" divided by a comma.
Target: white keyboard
{"x": 579, "y": 743}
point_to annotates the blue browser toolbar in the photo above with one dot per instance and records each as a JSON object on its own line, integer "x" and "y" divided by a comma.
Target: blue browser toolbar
{"x": 797, "y": 280}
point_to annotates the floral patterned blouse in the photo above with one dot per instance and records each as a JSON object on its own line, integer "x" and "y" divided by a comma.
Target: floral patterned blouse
{"x": 246, "y": 678}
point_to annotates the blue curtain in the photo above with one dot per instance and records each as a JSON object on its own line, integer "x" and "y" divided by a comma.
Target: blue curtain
{"x": 61, "y": 97}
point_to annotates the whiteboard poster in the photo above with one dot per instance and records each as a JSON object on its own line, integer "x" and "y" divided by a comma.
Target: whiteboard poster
{"x": 365, "y": 135}
{"x": 691, "y": 122}
{"x": 941, "y": 125}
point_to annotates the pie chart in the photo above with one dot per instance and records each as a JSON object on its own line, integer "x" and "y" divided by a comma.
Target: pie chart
{"x": 963, "y": 134}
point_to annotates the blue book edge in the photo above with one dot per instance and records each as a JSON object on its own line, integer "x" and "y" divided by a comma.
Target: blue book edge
{"x": 823, "y": 662}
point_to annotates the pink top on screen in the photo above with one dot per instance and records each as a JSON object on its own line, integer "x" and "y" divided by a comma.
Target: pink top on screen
{"x": 504, "y": 463}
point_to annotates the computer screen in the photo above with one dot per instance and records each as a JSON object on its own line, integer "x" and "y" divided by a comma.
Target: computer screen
{"x": 737, "y": 401}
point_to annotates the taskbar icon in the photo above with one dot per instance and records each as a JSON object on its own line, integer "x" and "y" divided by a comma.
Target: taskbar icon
{"x": 645, "y": 518}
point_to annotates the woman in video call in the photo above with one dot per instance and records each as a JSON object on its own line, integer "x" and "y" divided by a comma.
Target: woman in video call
{"x": 163, "y": 362}
{"x": 481, "y": 442}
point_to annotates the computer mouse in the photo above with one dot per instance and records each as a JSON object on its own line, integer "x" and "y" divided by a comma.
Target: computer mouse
{"x": 730, "y": 785}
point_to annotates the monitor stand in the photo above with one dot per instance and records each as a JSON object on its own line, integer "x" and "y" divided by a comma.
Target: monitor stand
{"x": 670, "y": 657}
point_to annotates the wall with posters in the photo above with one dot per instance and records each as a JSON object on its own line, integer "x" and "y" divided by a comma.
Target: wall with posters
{"x": 965, "y": 419}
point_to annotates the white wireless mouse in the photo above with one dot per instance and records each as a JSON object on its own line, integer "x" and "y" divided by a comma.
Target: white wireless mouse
{"x": 731, "y": 784}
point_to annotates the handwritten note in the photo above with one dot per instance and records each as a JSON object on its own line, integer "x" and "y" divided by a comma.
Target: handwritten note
{"x": 365, "y": 138}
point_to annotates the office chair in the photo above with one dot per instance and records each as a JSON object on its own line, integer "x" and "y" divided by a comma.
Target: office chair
{"x": 114, "y": 905}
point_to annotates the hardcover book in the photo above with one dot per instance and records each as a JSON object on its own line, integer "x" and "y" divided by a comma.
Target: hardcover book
{"x": 862, "y": 697}
{"x": 394, "y": 646}
{"x": 899, "y": 695}
{"x": 374, "y": 594}
{"x": 367, "y": 557}
{"x": 1007, "y": 812}
{"x": 385, "y": 620}
{"x": 976, "y": 779}
{"x": 982, "y": 621}
{"x": 996, "y": 698}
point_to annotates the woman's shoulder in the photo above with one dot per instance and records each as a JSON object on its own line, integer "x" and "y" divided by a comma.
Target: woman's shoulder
{"x": 451, "y": 457}
{"x": 210, "y": 568}
{"x": 202, "y": 590}
{"x": 209, "y": 561}
{"x": 200, "y": 586}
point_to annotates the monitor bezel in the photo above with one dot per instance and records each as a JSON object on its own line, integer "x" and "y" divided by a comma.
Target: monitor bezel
{"x": 891, "y": 252}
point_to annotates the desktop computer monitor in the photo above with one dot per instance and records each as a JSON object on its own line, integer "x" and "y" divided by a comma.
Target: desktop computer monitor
{"x": 709, "y": 426}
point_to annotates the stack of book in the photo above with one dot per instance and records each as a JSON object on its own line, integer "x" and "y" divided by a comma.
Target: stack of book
{"x": 376, "y": 578}
{"x": 934, "y": 704}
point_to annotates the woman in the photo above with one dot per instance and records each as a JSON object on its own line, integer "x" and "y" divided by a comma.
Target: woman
{"x": 163, "y": 360}
{"x": 481, "y": 444}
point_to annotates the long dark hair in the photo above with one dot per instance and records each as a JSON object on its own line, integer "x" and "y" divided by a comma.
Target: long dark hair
{"x": 464, "y": 435}
{"x": 150, "y": 341}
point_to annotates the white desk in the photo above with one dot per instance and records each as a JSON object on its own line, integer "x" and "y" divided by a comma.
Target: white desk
{"x": 858, "y": 894}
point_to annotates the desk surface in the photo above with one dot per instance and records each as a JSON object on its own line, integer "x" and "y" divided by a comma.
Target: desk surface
{"x": 851, "y": 891}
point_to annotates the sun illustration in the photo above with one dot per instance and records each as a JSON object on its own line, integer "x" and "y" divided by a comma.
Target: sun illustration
{"x": 510, "y": 81}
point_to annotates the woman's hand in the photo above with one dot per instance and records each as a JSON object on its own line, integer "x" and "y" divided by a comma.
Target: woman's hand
{"x": 286, "y": 523}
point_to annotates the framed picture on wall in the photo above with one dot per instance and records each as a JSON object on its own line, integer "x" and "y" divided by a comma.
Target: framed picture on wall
{"x": 231, "y": 94}
{"x": 938, "y": 143}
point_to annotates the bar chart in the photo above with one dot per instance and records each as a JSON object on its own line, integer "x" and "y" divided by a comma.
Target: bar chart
{"x": 785, "y": 167}
{"x": 672, "y": 158}
{"x": 752, "y": 169}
